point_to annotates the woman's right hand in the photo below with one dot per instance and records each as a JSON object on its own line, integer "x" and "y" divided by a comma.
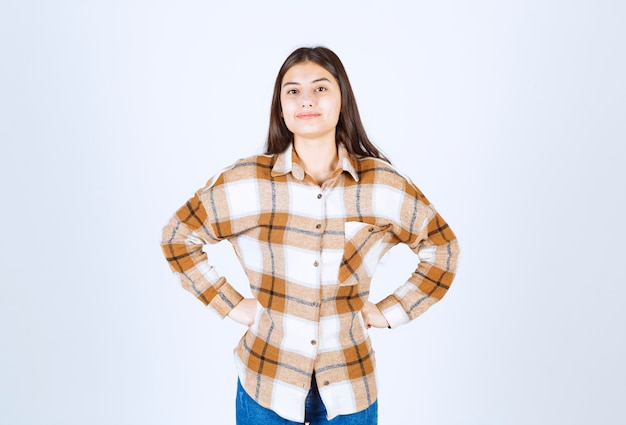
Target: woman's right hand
{"x": 244, "y": 312}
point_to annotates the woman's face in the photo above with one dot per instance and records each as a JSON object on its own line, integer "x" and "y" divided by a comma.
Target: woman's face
{"x": 310, "y": 98}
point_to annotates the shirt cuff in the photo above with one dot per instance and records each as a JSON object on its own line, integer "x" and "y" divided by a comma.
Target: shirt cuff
{"x": 391, "y": 308}
{"x": 226, "y": 299}
{"x": 219, "y": 294}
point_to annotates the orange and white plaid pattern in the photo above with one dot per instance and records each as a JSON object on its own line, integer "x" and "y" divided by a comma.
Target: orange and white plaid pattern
{"x": 309, "y": 253}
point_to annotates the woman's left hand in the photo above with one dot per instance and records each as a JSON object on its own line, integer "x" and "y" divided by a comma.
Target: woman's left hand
{"x": 372, "y": 316}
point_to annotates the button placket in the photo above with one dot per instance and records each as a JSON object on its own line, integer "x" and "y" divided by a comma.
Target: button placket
{"x": 318, "y": 226}
{"x": 317, "y": 263}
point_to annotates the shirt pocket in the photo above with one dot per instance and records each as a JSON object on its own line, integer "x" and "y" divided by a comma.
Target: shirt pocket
{"x": 363, "y": 247}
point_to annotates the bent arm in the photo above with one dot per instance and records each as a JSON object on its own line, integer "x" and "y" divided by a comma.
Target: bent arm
{"x": 430, "y": 237}
{"x": 182, "y": 244}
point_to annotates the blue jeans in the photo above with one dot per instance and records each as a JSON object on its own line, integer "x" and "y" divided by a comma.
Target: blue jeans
{"x": 249, "y": 412}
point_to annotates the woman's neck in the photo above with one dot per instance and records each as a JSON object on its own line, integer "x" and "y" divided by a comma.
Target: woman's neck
{"x": 319, "y": 157}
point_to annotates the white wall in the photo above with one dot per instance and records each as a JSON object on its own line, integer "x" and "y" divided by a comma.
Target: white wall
{"x": 510, "y": 116}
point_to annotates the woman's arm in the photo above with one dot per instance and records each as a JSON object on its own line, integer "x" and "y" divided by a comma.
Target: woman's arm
{"x": 182, "y": 244}
{"x": 431, "y": 238}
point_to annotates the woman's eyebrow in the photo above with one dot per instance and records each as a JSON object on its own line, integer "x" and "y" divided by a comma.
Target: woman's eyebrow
{"x": 312, "y": 82}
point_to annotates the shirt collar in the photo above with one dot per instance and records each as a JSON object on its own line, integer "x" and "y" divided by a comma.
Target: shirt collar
{"x": 288, "y": 162}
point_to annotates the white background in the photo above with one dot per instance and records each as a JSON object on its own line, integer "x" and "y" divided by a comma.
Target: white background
{"x": 509, "y": 115}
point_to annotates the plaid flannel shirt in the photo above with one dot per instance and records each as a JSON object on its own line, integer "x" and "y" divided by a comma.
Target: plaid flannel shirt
{"x": 309, "y": 253}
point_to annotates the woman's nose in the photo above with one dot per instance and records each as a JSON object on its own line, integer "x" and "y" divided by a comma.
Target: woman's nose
{"x": 306, "y": 100}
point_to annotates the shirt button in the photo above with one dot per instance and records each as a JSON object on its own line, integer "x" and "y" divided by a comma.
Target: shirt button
{"x": 313, "y": 342}
{"x": 318, "y": 226}
{"x": 315, "y": 263}
{"x": 326, "y": 383}
{"x": 319, "y": 196}
{"x": 371, "y": 229}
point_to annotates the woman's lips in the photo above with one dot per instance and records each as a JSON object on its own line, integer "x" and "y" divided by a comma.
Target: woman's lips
{"x": 307, "y": 115}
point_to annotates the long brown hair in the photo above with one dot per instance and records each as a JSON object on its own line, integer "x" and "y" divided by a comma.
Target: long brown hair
{"x": 349, "y": 130}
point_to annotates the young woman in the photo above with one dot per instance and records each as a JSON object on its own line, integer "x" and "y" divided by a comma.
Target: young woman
{"x": 309, "y": 220}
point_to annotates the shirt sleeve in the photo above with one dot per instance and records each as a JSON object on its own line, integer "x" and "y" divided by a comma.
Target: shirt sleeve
{"x": 429, "y": 236}
{"x": 182, "y": 243}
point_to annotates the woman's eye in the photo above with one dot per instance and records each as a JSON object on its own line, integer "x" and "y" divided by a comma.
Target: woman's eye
{"x": 321, "y": 89}
{"x": 292, "y": 91}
